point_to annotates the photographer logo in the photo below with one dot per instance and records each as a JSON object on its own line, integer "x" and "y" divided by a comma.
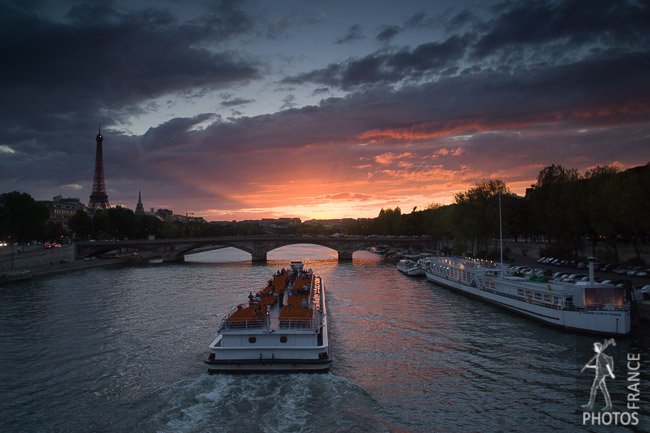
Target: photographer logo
{"x": 603, "y": 366}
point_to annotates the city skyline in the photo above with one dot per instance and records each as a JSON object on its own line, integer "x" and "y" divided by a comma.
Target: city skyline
{"x": 251, "y": 110}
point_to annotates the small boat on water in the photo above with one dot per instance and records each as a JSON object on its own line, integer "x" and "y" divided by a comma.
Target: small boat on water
{"x": 584, "y": 306}
{"x": 409, "y": 267}
{"x": 283, "y": 327}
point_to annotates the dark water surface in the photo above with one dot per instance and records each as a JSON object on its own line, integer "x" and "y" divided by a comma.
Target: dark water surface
{"x": 122, "y": 349}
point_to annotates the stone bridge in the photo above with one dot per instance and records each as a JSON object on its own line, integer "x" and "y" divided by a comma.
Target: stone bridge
{"x": 257, "y": 246}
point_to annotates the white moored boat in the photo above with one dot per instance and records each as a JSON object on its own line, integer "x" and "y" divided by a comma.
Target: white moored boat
{"x": 283, "y": 328}
{"x": 409, "y": 267}
{"x": 583, "y": 306}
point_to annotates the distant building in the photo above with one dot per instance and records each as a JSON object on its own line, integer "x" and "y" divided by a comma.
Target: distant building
{"x": 165, "y": 214}
{"x": 333, "y": 223}
{"x": 62, "y": 209}
{"x": 279, "y": 222}
{"x": 139, "y": 208}
{"x": 189, "y": 219}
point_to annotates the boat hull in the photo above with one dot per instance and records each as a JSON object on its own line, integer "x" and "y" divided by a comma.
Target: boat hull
{"x": 607, "y": 322}
{"x": 269, "y": 365}
{"x": 412, "y": 272}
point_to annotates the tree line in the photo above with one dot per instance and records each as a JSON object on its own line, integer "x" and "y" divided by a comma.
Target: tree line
{"x": 602, "y": 209}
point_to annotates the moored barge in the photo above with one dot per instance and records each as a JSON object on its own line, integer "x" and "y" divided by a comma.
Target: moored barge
{"x": 586, "y": 306}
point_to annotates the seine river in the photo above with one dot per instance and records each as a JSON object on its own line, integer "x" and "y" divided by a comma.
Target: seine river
{"x": 122, "y": 349}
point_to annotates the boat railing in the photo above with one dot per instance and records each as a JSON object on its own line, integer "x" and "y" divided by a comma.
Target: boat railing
{"x": 256, "y": 323}
{"x": 299, "y": 323}
{"x": 292, "y": 315}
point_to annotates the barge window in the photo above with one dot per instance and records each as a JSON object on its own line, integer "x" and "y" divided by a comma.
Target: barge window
{"x": 252, "y": 340}
{"x": 520, "y": 292}
{"x": 548, "y": 298}
{"x": 538, "y": 295}
{"x": 283, "y": 339}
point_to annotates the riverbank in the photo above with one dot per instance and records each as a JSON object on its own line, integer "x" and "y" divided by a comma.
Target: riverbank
{"x": 56, "y": 268}
{"x": 78, "y": 265}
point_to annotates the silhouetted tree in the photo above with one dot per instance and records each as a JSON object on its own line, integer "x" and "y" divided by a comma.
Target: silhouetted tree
{"x": 81, "y": 224}
{"x": 23, "y": 219}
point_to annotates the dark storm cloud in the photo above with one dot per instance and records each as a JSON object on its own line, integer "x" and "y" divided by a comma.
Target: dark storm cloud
{"x": 382, "y": 67}
{"x": 354, "y": 33}
{"x": 388, "y": 33}
{"x": 99, "y": 59}
{"x": 418, "y": 20}
{"x": 236, "y": 101}
{"x": 93, "y": 64}
{"x": 521, "y": 34}
{"x": 560, "y": 93}
{"x": 574, "y": 22}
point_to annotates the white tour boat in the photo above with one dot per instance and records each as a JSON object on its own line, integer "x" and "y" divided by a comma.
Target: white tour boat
{"x": 583, "y": 306}
{"x": 409, "y": 267}
{"x": 283, "y": 328}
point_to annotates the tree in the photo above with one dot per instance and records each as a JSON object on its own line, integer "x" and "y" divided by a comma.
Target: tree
{"x": 389, "y": 222}
{"x": 557, "y": 203}
{"x": 477, "y": 212}
{"x": 122, "y": 222}
{"x": 101, "y": 226}
{"x": 81, "y": 224}
{"x": 146, "y": 225}
{"x": 24, "y": 218}
{"x": 603, "y": 203}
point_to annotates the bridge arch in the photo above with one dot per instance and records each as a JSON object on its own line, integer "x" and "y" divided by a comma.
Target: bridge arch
{"x": 257, "y": 246}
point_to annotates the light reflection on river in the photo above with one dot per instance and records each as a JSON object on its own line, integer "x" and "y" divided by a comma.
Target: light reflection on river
{"x": 121, "y": 349}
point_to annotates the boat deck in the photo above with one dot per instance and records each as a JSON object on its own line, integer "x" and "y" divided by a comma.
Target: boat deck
{"x": 291, "y": 306}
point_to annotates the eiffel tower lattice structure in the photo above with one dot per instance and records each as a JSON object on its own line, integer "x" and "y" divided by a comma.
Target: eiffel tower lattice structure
{"x": 98, "y": 197}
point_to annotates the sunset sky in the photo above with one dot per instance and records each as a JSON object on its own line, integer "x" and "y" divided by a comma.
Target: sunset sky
{"x": 236, "y": 110}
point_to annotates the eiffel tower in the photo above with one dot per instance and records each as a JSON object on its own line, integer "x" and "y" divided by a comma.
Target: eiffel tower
{"x": 98, "y": 197}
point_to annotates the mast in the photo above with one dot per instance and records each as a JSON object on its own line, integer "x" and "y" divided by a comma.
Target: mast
{"x": 500, "y": 231}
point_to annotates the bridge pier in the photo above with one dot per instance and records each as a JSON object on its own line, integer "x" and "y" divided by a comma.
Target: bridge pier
{"x": 258, "y": 258}
{"x": 345, "y": 256}
{"x": 173, "y": 258}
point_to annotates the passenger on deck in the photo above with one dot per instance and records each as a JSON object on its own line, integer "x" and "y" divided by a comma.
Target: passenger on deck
{"x": 250, "y": 296}
{"x": 304, "y": 303}
{"x": 268, "y": 309}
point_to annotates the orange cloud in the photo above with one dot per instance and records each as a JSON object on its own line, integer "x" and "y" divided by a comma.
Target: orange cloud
{"x": 388, "y": 158}
{"x": 436, "y": 129}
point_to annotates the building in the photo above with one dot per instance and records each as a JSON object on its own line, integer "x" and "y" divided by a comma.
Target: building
{"x": 165, "y": 214}
{"x": 62, "y": 209}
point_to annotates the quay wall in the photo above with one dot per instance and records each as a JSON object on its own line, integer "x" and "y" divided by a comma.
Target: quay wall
{"x": 34, "y": 258}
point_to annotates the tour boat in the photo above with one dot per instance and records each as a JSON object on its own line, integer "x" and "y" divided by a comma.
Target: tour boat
{"x": 584, "y": 306}
{"x": 409, "y": 267}
{"x": 283, "y": 328}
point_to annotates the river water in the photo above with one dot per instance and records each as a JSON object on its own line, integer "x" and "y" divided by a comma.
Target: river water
{"x": 122, "y": 349}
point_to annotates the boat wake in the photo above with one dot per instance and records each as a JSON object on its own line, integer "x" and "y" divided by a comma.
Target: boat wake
{"x": 267, "y": 403}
